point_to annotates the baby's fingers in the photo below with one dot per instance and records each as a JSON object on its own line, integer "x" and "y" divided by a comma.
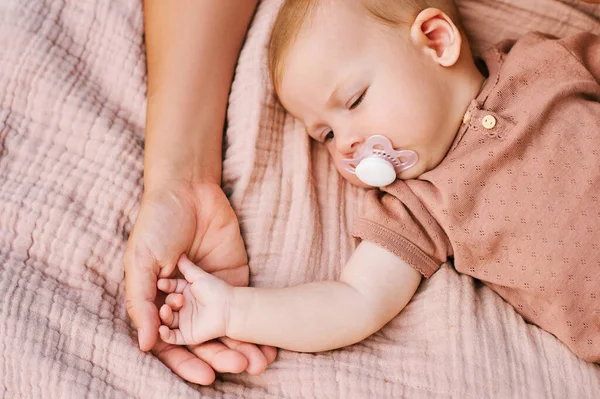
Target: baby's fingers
{"x": 190, "y": 271}
{"x": 171, "y": 285}
{"x": 168, "y": 317}
{"x": 171, "y": 336}
{"x": 175, "y": 301}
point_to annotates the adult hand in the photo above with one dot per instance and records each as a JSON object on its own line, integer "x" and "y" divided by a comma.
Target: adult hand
{"x": 197, "y": 220}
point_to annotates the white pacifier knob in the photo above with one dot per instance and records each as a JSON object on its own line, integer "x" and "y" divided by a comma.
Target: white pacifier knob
{"x": 375, "y": 172}
{"x": 378, "y": 163}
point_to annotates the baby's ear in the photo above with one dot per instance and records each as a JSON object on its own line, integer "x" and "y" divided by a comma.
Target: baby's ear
{"x": 437, "y": 35}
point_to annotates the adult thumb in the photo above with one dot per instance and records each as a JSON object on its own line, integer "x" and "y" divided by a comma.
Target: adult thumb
{"x": 140, "y": 290}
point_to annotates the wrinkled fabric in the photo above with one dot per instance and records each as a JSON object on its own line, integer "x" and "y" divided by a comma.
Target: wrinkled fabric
{"x": 72, "y": 109}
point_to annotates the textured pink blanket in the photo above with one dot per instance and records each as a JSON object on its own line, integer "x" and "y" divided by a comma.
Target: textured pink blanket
{"x": 72, "y": 87}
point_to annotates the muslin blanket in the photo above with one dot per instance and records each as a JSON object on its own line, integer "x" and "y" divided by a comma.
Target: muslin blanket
{"x": 72, "y": 108}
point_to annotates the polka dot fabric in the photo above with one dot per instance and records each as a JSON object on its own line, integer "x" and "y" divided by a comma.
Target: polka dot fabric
{"x": 516, "y": 202}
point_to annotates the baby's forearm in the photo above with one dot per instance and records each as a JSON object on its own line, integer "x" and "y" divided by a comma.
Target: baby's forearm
{"x": 306, "y": 318}
{"x": 374, "y": 287}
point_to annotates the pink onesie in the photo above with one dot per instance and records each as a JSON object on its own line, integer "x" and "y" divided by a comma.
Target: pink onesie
{"x": 516, "y": 201}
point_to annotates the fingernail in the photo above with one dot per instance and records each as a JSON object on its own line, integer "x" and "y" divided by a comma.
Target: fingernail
{"x": 139, "y": 337}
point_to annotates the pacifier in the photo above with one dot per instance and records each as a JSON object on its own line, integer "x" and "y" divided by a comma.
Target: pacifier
{"x": 378, "y": 164}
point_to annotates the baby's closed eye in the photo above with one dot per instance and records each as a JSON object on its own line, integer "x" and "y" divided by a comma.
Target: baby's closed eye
{"x": 356, "y": 100}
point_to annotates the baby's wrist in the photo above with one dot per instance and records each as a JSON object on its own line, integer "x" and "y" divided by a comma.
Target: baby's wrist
{"x": 237, "y": 312}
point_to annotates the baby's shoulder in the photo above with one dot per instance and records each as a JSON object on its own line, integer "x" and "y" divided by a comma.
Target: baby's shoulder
{"x": 541, "y": 52}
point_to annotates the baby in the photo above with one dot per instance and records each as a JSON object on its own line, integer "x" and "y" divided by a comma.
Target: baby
{"x": 495, "y": 166}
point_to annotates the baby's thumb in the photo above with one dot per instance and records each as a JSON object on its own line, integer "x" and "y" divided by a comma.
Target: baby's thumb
{"x": 190, "y": 271}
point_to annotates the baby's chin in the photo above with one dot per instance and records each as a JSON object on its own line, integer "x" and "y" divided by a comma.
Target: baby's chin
{"x": 352, "y": 179}
{"x": 411, "y": 173}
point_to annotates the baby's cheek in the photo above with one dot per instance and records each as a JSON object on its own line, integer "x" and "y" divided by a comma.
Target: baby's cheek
{"x": 351, "y": 177}
{"x": 348, "y": 176}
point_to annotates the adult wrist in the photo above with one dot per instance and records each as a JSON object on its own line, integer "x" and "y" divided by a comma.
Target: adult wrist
{"x": 180, "y": 146}
{"x": 173, "y": 156}
{"x": 166, "y": 173}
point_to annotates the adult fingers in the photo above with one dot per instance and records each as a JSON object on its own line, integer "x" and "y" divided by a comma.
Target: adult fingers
{"x": 220, "y": 357}
{"x": 184, "y": 363}
{"x": 257, "y": 361}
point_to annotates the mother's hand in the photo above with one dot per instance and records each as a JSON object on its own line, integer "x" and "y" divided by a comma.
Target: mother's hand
{"x": 197, "y": 220}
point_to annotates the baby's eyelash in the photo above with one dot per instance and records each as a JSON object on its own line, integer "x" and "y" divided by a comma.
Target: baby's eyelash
{"x": 359, "y": 100}
{"x": 328, "y": 136}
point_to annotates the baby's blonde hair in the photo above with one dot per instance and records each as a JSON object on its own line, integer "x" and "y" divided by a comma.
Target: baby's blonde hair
{"x": 293, "y": 14}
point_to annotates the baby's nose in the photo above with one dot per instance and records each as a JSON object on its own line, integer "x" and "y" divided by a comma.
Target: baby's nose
{"x": 348, "y": 145}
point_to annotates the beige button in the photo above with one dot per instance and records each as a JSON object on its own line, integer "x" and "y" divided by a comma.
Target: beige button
{"x": 488, "y": 122}
{"x": 466, "y": 117}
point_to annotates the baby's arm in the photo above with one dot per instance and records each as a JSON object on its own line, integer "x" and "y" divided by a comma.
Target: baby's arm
{"x": 374, "y": 287}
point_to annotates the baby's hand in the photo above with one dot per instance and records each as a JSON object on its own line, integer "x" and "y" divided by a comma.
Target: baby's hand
{"x": 199, "y": 306}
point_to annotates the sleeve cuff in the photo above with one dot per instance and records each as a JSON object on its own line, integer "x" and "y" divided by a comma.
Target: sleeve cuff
{"x": 396, "y": 244}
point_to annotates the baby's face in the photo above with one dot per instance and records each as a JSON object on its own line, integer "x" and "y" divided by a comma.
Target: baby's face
{"x": 348, "y": 77}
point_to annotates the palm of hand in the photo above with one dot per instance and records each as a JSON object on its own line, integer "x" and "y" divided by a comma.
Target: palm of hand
{"x": 203, "y": 315}
{"x": 198, "y": 221}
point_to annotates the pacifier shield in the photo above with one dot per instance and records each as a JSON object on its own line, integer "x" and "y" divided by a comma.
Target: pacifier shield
{"x": 378, "y": 163}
